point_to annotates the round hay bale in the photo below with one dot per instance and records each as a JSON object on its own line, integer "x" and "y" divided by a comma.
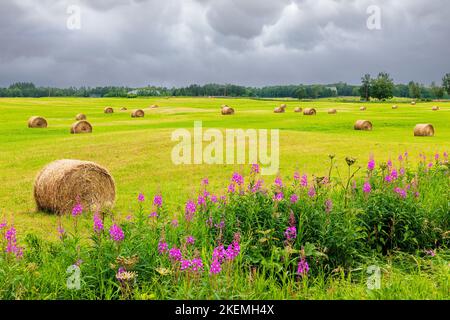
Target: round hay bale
{"x": 363, "y": 125}
{"x": 279, "y": 110}
{"x": 413, "y": 103}
{"x": 154, "y": 106}
{"x": 298, "y": 109}
{"x": 309, "y": 112}
{"x": 332, "y": 111}
{"x": 80, "y": 116}
{"x": 362, "y": 109}
{"x": 108, "y": 110}
{"x": 283, "y": 106}
{"x": 226, "y": 110}
{"x": 123, "y": 109}
{"x": 423, "y": 130}
{"x": 37, "y": 122}
{"x": 139, "y": 113}
{"x": 64, "y": 183}
{"x": 435, "y": 108}
{"x": 394, "y": 107}
{"x": 81, "y": 127}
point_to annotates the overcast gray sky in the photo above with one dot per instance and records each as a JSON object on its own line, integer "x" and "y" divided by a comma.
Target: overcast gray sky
{"x": 248, "y": 42}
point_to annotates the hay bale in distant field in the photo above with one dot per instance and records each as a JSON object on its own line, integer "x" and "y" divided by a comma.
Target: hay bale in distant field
{"x": 108, "y": 110}
{"x": 123, "y": 109}
{"x": 413, "y": 103}
{"x": 139, "y": 113}
{"x": 309, "y": 112}
{"x": 81, "y": 127}
{"x": 362, "y": 109}
{"x": 63, "y": 183}
{"x": 80, "y": 116}
{"x": 424, "y": 130}
{"x": 298, "y": 109}
{"x": 394, "y": 107}
{"x": 37, "y": 122}
{"x": 280, "y": 109}
{"x": 154, "y": 106}
{"x": 226, "y": 110}
{"x": 363, "y": 125}
{"x": 332, "y": 111}
{"x": 435, "y": 108}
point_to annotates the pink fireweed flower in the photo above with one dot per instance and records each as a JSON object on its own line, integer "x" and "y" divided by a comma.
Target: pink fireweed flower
{"x": 219, "y": 253}
{"x": 303, "y": 267}
{"x": 430, "y": 252}
{"x": 257, "y": 186}
{"x": 401, "y": 192}
{"x": 197, "y": 265}
{"x": 402, "y": 171}
{"x": 116, "y": 233}
{"x": 430, "y": 165}
{"x": 328, "y": 205}
{"x": 290, "y": 233}
{"x": 232, "y": 251}
{"x": 175, "y": 254}
{"x": 163, "y": 247}
{"x": 371, "y": 165}
{"x": 354, "y": 184}
{"x": 278, "y": 182}
{"x": 237, "y": 178}
{"x": 3, "y": 224}
{"x": 77, "y": 210}
{"x": 129, "y": 217}
{"x": 154, "y": 214}
{"x": 205, "y": 181}
{"x": 190, "y": 209}
{"x": 61, "y": 232}
{"x": 201, "y": 200}
{"x": 445, "y": 155}
{"x": 400, "y": 157}
{"x": 296, "y": 176}
{"x": 174, "y": 223}
{"x": 304, "y": 181}
{"x": 278, "y": 196}
{"x": 389, "y": 163}
{"x": 185, "y": 264}
{"x": 294, "y": 198}
{"x": 388, "y": 178}
{"x": 213, "y": 198}
{"x": 190, "y": 240}
{"x": 98, "y": 224}
{"x": 394, "y": 174}
{"x": 157, "y": 200}
{"x": 231, "y": 188}
{"x": 11, "y": 243}
{"x": 141, "y": 197}
{"x": 436, "y": 156}
{"x": 312, "y": 192}
{"x": 367, "y": 188}
{"x": 255, "y": 168}
{"x": 215, "y": 267}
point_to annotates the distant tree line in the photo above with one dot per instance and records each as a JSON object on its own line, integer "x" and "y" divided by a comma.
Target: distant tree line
{"x": 382, "y": 87}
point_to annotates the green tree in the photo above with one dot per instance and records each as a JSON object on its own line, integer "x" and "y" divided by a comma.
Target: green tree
{"x": 446, "y": 83}
{"x": 382, "y": 87}
{"x": 364, "y": 90}
{"x": 437, "y": 91}
{"x": 414, "y": 90}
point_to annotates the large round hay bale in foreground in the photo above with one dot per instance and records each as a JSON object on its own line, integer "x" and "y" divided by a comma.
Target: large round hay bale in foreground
{"x": 298, "y": 109}
{"x": 108, "y": 110}
{"x": 37, "y": 122}
{"x": 435, "y": 108}
{"x": 80, "y": 116}
{"x": 424, "y": 130}
{"x": 226, "y": 110}
{"x": 64, "y": 183}
{"x": 332, "y": 111}
{"x": 139, "y": 113}
{"x": 309, "y": 112}
{"x": 81, "y": 127}
{"x": 363, "y": 125}
{"x": 362, "y": 109}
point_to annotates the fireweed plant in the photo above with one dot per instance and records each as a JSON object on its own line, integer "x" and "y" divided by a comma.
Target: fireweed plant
{"x": 286, "y": 238}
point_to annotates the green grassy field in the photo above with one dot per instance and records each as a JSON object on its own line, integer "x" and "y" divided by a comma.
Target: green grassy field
{"x": 137, "y": 151}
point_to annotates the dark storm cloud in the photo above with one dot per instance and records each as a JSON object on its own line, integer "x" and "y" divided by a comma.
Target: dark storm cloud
{"x": 251, "y": 42}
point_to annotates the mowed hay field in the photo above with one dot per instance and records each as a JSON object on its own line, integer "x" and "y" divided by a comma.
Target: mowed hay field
{"x": 137, "y": 151}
